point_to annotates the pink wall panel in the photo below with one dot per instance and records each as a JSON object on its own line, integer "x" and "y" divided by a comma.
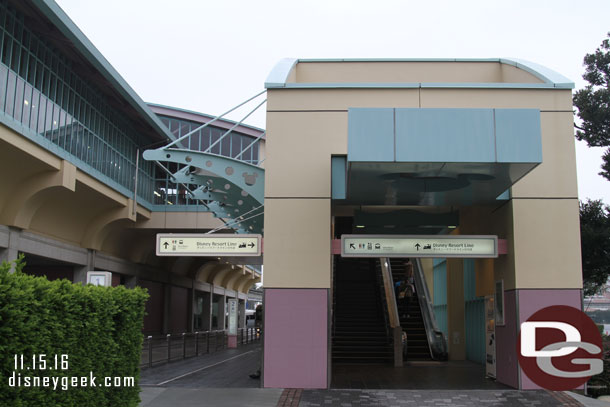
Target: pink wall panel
{"x": 296, "y": 338}
{"x": 531, "y": 301}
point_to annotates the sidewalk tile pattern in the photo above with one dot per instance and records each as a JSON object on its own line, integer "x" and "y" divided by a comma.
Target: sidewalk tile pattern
{"x": 434, "y": 398}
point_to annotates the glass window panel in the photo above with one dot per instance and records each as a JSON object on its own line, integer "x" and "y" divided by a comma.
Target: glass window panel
{"x": 24, "y": 59}
{"x": 35, "y": 110}
{"x": 10, "y": 93}
{"x": 236, "y": 145}
{"x": 62, "y": 128}
{"x": 255, "y": 153}
{"x": 6, "y": 50}
{"x": 205, "y": 138}
{"x": 38, "y": 81}
{"x": 14, "y": 56}
{"x": 215, "y": 136}
{"x": 27, "y": 105}
{"x": 42, "y": 111}
{"x": 247, "y": 155}
{"x": 31, "y": 69}
{"x": 56, "y": 123}
{"x": 19, "y": 99}
{"x": 3, "y": 78}
{"x": 174, "y": 127}
{"x": 68, "y": 132}
{"x": 225, "y": 145}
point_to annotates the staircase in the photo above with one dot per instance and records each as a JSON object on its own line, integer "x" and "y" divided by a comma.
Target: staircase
{"x": 411, "y": 319}
{"x": 359, "y": 332}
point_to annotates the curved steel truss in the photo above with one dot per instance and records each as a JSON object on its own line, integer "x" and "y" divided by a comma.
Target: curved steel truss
{"x": 230, "y": 188}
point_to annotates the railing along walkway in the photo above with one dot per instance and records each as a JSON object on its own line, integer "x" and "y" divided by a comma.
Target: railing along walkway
{"x": 166, "y": 348}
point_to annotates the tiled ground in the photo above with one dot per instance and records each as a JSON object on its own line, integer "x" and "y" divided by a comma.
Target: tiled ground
{"x": 432, "y": 398}
{"x": 459, "y": 375}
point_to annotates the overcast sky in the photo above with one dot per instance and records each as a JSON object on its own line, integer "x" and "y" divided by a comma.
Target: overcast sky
{"x": 209, "y": 56}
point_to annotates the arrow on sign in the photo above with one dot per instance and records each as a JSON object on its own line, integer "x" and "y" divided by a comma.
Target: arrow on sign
{"x": 166, "y": 244}
{"x": 251, "y": 244}
{"x": 351, "y": 246}
{"x": 417, "y": 246}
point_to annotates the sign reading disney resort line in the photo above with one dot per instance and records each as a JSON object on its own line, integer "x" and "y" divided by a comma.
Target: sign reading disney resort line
{"x": 197, "y": 244}
{"x": 474, "y": 246}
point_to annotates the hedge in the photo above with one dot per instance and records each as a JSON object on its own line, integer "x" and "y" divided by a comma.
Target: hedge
{"x": 98, "y": 328}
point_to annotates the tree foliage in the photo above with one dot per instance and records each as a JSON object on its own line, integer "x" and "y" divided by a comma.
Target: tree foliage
{"x": 593, "y": 103}
{"x": 595, "y": 243}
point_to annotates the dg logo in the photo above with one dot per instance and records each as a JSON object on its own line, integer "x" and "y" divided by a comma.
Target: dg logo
{"x": 560, "y": 348}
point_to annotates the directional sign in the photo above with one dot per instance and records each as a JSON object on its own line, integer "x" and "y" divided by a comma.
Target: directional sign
{"x": 419, "y": 246}
{"x": 232, "y": 303}
{"x": 192, "y": 244}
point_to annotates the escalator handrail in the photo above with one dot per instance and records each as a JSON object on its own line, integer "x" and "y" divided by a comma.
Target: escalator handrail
{"x": 436, "y": 339}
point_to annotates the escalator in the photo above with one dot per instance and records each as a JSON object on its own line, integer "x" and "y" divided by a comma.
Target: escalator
{"x": 424, "y": 340}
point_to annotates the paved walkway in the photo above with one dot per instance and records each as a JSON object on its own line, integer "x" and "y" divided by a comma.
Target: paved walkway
{"x": 231, "y": 397}
{"x": 222, "y": 379}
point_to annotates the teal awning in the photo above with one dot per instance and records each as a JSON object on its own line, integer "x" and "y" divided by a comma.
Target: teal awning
{"x": 435, "y": 156}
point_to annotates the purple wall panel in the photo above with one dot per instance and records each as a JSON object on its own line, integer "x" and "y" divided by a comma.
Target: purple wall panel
{"x": 506, "y": 341}
{"x": 296, "y": 338}
{"x": 531, "y": 301}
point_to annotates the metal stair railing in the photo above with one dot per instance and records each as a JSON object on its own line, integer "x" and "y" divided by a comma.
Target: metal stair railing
{"x": 388, "y": 284}
{"x": 436, "y": 339}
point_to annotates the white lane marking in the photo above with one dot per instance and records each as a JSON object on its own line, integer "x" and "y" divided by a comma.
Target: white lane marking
{"x": 203, "y": 368}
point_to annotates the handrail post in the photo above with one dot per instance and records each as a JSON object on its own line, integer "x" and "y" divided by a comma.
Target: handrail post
{"x": 169, "y": 347}
{"x": 388, "y": 284}
{"x": 207, "y": 342}
{"x": 149, "y": 339}
{"x": 197, "y": 343}
{"x": 183, "y": 345}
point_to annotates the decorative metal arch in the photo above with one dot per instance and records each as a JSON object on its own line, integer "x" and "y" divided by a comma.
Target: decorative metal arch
{"x": 230, "y": 188}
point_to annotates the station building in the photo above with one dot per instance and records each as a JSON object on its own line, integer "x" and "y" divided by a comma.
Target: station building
{"x": 470, "y": 147}
{"x": 90, "y": 174}
{"x": 77, "y": 195}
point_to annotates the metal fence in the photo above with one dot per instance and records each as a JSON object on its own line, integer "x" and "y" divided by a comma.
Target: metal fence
{"x": 162, "y": 349}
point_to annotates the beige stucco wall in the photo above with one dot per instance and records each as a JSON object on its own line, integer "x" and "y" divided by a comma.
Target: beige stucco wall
{"x": 543, "y": 99}
{"x": 547, "y": 243}
{"x": 297, "y": 243}
{"x": 298, "y": 163}
{"x": 312, "y": 100}
{"x": 306, "y": 126}
{"x": 556, "y": 176}
{"x": 409, "y": 72}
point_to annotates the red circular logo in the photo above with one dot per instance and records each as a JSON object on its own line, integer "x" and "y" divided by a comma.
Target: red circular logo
{"x": 560, "y": 348}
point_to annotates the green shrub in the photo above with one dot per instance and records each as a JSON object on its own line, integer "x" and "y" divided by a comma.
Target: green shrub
{"x": 98, "y": 328}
